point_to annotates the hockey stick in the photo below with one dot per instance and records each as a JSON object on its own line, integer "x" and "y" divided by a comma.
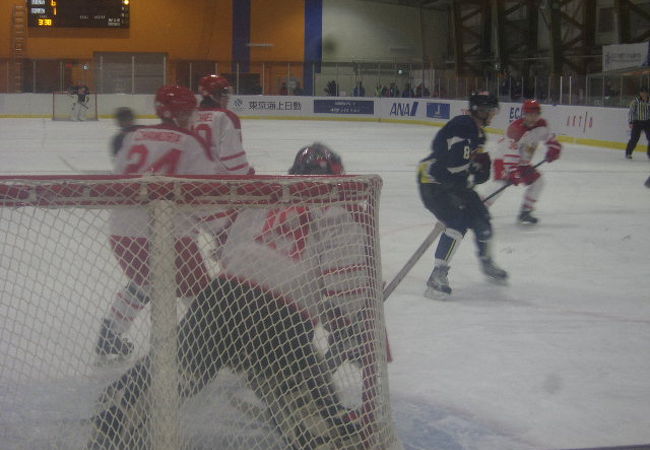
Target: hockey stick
{"x": 510, "y": 183}
{"x": 439, "y": 228}
{"x": 424, "y": 246}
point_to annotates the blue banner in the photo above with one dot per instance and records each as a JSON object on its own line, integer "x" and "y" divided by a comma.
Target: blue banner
{"x": 344, "y": 106}
{"x": 438, "y": 110}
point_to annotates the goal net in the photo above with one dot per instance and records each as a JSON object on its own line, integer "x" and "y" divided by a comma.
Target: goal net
{"x": 65, "y": 106}
{"x": 251, "y": 305}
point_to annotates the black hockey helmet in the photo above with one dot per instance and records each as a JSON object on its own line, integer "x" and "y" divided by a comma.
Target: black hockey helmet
{"x": 316, "y": 159}
{"x": 124, "y": 114}
{"x": 483, "y": 100}
{"x": 482, "y": 106}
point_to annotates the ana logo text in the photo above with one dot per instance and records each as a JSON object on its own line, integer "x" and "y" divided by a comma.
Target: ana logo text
{"x": 404, "y": 109}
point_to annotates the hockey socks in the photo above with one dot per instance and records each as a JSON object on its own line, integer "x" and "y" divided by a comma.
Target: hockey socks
{"x": 128, "y": 302}
{"x": 447, "y": 245}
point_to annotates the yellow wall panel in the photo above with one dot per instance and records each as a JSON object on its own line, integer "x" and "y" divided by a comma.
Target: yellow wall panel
{"x": 281, "y": 24}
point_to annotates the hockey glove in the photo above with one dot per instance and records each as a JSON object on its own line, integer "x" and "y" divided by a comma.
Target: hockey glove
{"x": 499, "y": 168}
{"x": 514, "y": 177}
{"x": 480, "y": 167}
{"x": 553, "y": 149}
{"x": 528, "y": 174}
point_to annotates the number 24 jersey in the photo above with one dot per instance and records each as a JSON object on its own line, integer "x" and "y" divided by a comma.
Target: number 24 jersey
{"x": 157, "y": 150}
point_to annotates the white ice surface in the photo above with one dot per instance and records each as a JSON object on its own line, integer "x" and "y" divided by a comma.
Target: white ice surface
{"x": 559, "y": 358}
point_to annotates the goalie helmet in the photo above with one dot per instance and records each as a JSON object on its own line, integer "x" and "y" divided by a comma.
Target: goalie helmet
{"x": 174, "y": 101}
{"x": 531, "y": 106}
{"x": 316, "y": 159}
{"x": 213, "y": 85}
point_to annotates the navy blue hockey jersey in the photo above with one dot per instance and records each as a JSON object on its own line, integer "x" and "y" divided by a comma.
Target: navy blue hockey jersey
{"x": 452, "y": 148}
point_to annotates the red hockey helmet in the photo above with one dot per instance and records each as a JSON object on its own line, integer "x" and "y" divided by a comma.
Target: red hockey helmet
{"x": 173, "y": 101}
{"x": 213, "y": 85}
{"x": 531, "y": 106}
{"x": 317, "y": 159}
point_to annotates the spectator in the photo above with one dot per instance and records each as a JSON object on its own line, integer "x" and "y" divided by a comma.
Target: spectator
{"x": 359, "y": 90}
{"x": 283, "y": 89}
{"x": 504, "y": 85}
{"x": 332, "y": 89}
{"x": 393, "y": 91}
{"x": 408, "y": 92}
{"x": 421, "y": 91}
{"x": 516, "y": 89}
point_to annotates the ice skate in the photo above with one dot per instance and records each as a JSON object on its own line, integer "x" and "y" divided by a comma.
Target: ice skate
{"x": 112, "y": 345}
{"x": 526, "y": 218}
{"x": 437, "y": 284}
{"x": 492, "y": 271}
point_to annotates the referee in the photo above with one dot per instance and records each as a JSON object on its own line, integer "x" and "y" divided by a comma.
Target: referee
{"x": 639, "y": 119}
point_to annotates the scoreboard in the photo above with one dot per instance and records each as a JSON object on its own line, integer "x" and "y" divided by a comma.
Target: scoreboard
{"x": 78, "y": 13}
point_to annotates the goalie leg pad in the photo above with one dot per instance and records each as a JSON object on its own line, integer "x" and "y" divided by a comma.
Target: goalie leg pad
{"x": 242, "y": 326}
{"x": 304, "y": 419}
{"x": 121, "y": 420}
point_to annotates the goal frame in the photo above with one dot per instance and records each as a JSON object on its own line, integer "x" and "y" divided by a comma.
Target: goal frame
{"x": 161, "y": 195}
{"x": 91, "y": 115}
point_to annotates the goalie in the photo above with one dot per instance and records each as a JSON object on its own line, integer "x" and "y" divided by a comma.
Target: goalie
{"x": 81, "y": 95}
{"x": 284, "y": 270}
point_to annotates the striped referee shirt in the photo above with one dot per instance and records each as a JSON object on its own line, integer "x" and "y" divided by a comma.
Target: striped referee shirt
{"x": 639, "y": 110}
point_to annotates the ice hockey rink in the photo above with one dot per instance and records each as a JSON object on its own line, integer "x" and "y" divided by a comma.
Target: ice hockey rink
{"x": 557, "y": 359}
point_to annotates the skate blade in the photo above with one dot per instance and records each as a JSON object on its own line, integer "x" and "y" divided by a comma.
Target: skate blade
{"x": 497, "y": 281}
{"x": 434, "y": 294}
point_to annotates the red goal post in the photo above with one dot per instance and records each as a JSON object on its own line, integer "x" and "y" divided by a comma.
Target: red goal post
{"x": 58, "y": 276}
{"x": 62, "y": 106}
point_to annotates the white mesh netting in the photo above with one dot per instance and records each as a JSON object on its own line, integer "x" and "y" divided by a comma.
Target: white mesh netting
{"x": 152, "y": 312}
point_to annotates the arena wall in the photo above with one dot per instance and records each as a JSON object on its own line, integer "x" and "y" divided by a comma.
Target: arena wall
{"x": 202, "y": 31}
{"x": 220, "y": 29}
{"x": 588, "y": 125}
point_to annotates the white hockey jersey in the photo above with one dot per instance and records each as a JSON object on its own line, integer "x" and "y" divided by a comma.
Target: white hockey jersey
{"x": 302, "y": 254}
{"x": 158, "y": 150}
{"x": 221, "y": 130}
{"x": 518, "y": 146}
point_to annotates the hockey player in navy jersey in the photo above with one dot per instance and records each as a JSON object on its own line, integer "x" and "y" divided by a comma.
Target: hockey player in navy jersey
{"x": 446, "y": 179}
